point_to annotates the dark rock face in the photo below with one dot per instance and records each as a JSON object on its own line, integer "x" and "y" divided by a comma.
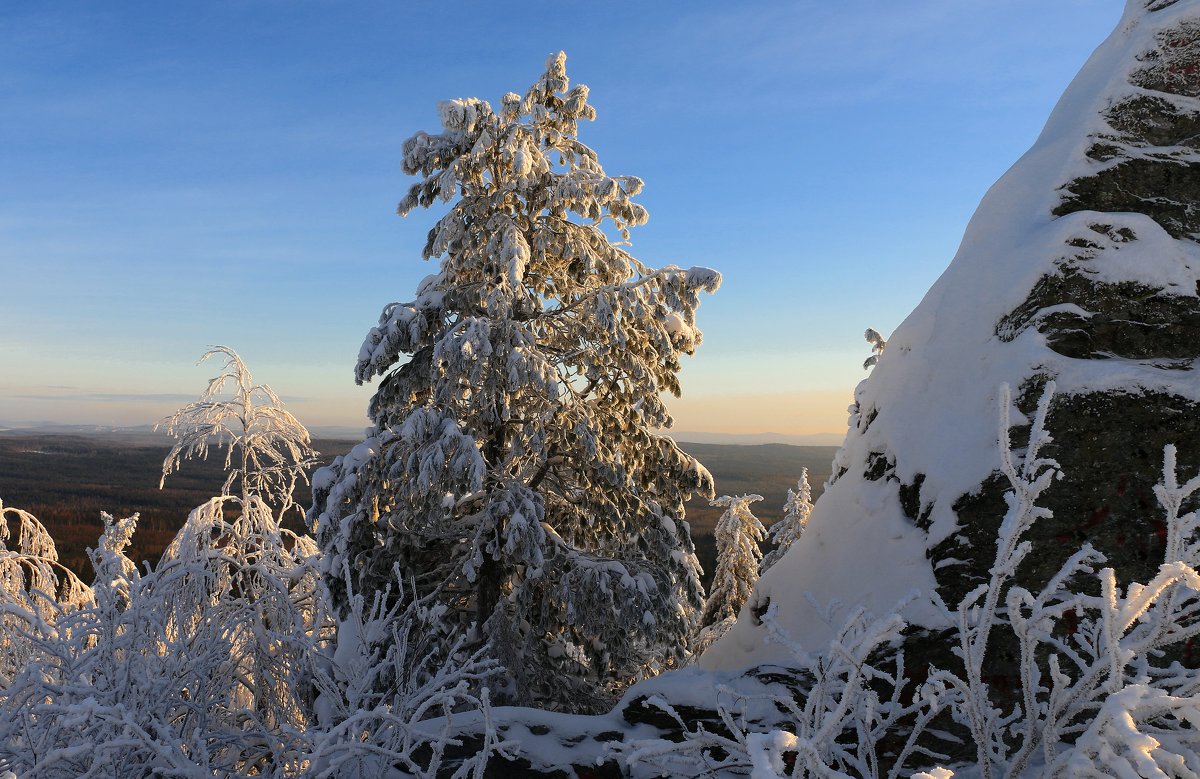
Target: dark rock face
{"x": 1173, "y": 66}
{"x": 1109, "y": 443}
{"x": 1154, "y": 120}
{"x": 1124, "y": 319}
{"x": 1151, "y": 134}
{"x": 1105, "y": 497}
{"x": 1136, "y": 185}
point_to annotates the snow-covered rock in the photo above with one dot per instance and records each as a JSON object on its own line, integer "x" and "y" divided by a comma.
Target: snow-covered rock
{"x": 1081, "y": 265}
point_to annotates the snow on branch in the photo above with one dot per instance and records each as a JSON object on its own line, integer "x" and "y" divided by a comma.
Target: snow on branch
{"x": 878, "y": 344}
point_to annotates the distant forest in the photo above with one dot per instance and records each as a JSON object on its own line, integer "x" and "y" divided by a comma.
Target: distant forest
{"x": 66, "y": 480}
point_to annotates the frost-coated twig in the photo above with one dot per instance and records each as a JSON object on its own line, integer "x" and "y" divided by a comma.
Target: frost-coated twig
{"x": 812, "y": 738}
{"x": 1028, "y": 477}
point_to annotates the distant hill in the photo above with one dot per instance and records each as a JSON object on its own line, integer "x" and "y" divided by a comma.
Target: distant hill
{"x": 766, "y": 469}
{"x": 794, "y": 439}
{"x": 347, "y": 432}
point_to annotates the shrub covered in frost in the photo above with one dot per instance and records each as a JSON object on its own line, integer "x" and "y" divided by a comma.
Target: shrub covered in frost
{"x": 34, "y": 588}
{"x": 219, "y": 661}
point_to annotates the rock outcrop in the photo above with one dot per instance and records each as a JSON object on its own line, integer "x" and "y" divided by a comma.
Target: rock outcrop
{"x": 1081, "y": 266}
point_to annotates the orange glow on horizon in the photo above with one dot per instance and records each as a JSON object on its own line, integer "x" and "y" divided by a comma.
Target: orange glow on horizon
{"x": 803, "y": 412}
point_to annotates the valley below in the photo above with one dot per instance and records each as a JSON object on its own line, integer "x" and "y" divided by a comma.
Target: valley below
{"x": 66, "y": 479}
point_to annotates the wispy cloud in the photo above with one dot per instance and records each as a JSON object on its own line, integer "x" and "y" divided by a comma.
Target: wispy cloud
{"x": 856, "y": 51}
{"x": 108, "y": 397}
{"x": 125, "y": 397}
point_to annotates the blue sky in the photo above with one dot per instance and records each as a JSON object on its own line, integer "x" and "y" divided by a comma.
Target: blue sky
{"x": 174, "y": 175}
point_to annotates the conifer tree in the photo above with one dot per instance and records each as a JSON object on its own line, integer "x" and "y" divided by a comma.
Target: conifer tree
{"x": 738, "y": 534}
{"x": 513, "y": 472}
{"x": 785, "y": 532}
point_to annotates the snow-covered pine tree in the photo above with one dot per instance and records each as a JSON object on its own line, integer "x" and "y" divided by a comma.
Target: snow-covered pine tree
{"x": 738, "y": 534}
{"x": 512, "y": 470}
{"x": 784, "y": 533}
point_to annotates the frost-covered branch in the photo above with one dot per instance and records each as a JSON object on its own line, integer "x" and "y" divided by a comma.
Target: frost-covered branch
{"x": 878, "y": 344}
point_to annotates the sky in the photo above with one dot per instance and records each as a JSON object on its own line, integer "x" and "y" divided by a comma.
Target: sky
{"x": 177, "y": 175}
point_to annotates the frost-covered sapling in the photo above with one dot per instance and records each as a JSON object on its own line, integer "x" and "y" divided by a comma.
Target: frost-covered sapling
{"x": 738, "y": 534}
{"x": 785, "y": 532}
{"x": 878, "y": 344}
{"x": 233, "y": 562}
{"x": 513, "y": 471}
{"x": 267, "y": 450}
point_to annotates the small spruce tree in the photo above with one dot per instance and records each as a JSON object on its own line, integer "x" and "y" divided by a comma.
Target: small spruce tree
{"x": 513, "y": 473}
{"x": 785, "y": 532}
{"x": 738, "y": 534}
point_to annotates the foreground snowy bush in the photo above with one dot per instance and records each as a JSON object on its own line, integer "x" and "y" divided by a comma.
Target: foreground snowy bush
{"x": 219, "y": 661}
{"x": 34, "y": 588}
{"x": 160, "y": 674}
{"x": 217, "y": 664}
